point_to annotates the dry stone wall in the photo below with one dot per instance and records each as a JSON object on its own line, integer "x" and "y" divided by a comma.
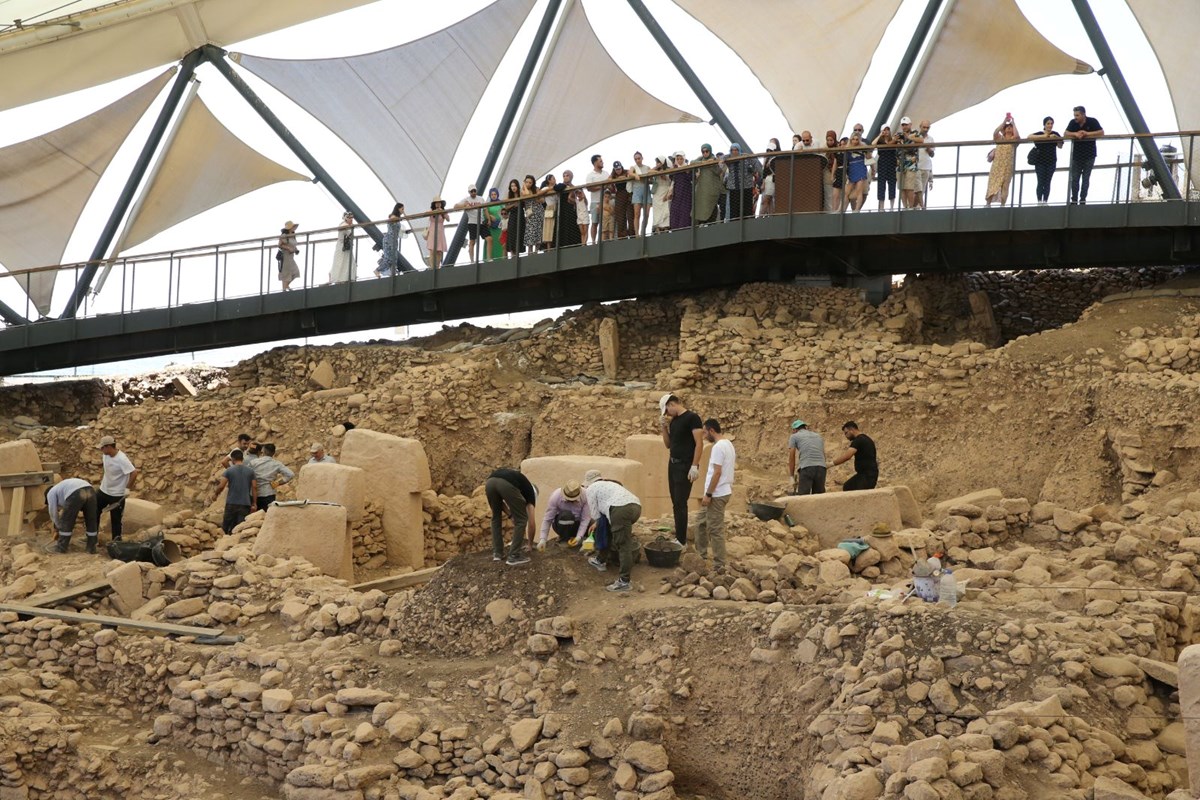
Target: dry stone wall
{"x": 648, "y": 331}
{"x": 1030, "y": 301}
{"x": 61, "y": 403}
{"x": 800, "y": 342}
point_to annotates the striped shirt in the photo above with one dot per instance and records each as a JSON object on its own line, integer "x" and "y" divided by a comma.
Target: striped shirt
{"x": 602, "y": 496}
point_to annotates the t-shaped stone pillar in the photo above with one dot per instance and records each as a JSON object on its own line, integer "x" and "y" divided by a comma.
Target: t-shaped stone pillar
{"x": 397, "y": 471}
{"x": 1189, "y": 709}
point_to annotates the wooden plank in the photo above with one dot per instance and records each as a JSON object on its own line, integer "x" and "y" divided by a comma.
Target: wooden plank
{"x": 396, "y": 582}
{"x": 50, "y": 599}
{"x": 203, "y": 635}
{"x": 10, "y": 480}
{"x": 16, "y": 514}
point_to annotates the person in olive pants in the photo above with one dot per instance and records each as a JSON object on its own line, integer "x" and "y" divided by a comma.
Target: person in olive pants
{"x": 508, "y": 488}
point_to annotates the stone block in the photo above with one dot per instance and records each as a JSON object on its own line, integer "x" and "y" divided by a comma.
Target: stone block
{"x": 334, "y": 483}
{"x": 910, "y": 512}
{"x": 983, "y": 498}
{"x": 183, "y": 387}
{"x": 399, "y": 471}
{"x": 323, "y": 375}
{"x": 316, "y": 533}
{"x": 548, "y": 473}
{"x": 126, "y": 582}
{"x": 139, "y": 515}
{"x": 835, "y": 516}
{"x": 21, "y": 456}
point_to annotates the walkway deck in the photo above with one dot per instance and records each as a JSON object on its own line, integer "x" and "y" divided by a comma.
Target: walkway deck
{"x": 846, "y": 247}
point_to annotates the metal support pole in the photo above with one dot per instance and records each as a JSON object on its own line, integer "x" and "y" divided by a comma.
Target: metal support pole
{"x": 151, "y": 174}
{"x": 506, "y": 121}
{"x": 1111, "y": 70}
{"x": 182, "y": 78}
{"x": 685, "y": 70}
{"x": 10, "y": 316}
{"x": 216, "y": 56}
{"x": 905, "y": 68}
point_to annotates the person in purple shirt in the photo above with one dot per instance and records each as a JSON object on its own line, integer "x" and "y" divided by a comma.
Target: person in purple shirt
{"x": 567, "y": 513}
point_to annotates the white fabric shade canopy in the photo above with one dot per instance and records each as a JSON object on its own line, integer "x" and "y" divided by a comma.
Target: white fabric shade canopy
{"x": 983, "y": 47}
{"x": 128, "y": 36}
{"x": 559, "y": 122}
{"x": 811, "y": 58}
{"x": 1173, "y": 28}
{"x": 206, "y": 166}
{"x": 46, "y": 182}
{"x": 403, "y": 110}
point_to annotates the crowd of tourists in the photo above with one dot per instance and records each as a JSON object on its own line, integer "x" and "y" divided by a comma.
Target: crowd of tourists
{"x": 618, "y": 201}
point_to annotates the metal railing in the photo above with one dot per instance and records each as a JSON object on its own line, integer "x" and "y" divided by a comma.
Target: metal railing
{"x": 959, "y": 180}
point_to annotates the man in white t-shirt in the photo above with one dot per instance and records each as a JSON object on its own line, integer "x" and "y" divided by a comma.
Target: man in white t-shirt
{"x": 924, "y": 165}
{"x": 473, "y": 204}
{"x": 718, "y": 486}
{"x": 119, "y": 477}
{"x": 596, "y": 196}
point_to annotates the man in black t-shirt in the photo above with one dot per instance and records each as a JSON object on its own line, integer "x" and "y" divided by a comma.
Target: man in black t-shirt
{"x": 509, "y": 488}
{"x": 683, "y": 436}
{"x": 1083, "y": 131}
{"x": 862, "y": 450}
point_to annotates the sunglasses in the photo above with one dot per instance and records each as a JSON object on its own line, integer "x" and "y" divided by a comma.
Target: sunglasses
{"x": 858, "y": 130}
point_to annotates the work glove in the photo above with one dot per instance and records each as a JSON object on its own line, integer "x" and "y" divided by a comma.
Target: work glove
{"x": 693, "y": 473}
{"x": 541, "y": 546}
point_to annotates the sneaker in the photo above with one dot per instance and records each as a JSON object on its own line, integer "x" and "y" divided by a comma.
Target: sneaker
{"x": 619, "y": 586}
{"x": 597, "y": 564}
{"x": 497, "y": 557}
{"x": 517, "y": 560}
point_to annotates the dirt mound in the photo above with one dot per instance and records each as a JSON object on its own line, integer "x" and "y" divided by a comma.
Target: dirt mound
{"x": 453, "y": 615}
{"x": 1102, "y": 331}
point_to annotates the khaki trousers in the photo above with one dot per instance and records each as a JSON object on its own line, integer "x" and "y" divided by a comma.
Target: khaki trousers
{"x": 712, "y": 529}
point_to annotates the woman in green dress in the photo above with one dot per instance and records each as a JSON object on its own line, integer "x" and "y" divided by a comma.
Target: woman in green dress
{"x": 494, "y": 250}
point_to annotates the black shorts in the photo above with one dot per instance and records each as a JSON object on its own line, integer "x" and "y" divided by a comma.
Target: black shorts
{"x": 473, "y": 230}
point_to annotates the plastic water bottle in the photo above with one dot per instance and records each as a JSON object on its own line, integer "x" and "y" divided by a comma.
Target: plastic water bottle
{"x": 948, "y": 589}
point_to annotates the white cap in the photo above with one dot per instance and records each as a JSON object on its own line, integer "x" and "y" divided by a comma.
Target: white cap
{"x": 905, "y": 121}
{"x": 662, "y": 402}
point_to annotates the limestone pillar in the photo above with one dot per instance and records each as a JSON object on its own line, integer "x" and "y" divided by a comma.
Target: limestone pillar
{"x": 1189, "y": 709}
{"x": 648, "y": 450}
{"x": 396, "y": 472}
{"x": 610, "y": 347}
{"x": 19, "y": 456}
{"x": 548, "y": 473}
{"x": 334, "y": 483}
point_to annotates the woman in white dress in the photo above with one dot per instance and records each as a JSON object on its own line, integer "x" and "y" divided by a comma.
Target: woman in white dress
{"x": 345, "y": 265}
{"x": 661, "y": 220}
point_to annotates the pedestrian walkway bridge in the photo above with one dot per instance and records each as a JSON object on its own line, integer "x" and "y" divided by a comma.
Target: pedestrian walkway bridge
{"x": 216, "y": 297}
